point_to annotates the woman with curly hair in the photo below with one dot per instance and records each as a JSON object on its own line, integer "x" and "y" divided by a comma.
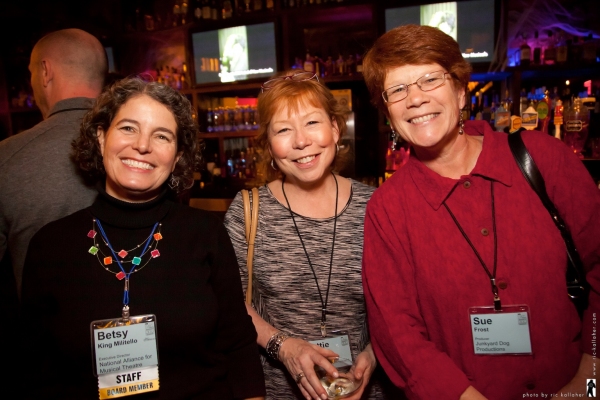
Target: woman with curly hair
{"x": 150, "y": 285}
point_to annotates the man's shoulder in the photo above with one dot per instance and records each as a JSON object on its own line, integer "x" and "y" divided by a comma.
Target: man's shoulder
{"x": 16, "y": 143}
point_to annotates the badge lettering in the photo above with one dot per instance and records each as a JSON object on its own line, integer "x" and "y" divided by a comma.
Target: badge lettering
{"x": 129, "y": 377}
{"x": 112, "y": 335}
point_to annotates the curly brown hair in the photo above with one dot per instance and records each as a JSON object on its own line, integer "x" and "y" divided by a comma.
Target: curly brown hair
{"x": 294, "y": 95}
{"x": 412, "y": 45}
{"x": 86, "y": 148}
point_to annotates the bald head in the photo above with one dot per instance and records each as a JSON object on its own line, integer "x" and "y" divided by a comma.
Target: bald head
{"x": 67, "y": 63}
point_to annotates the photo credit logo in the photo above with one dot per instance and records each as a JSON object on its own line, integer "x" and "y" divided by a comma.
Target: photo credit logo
{"x": 591, "y": 388}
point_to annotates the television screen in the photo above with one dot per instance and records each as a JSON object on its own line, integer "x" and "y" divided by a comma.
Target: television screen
{"x": 470, "y": 23}
{"x": 234, "y": 54}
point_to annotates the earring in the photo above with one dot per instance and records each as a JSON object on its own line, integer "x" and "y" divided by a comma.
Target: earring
{"x": 394, "y": 137}
{"x": 337, "y": 148}
{"x": 173, "y": 182}
{"x": 461, "y": 123}
{"x": 273, "y": 165}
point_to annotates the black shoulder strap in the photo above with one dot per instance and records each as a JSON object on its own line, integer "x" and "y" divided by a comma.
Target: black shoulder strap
{"x": 576, "y": 283}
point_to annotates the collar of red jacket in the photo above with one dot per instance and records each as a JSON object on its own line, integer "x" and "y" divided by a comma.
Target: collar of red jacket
{"x": 491, "y": 164}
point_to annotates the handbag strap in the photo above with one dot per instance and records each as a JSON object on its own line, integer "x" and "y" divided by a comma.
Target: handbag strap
{"x": 251, "y": 224}
{"x": 576, "y": 284}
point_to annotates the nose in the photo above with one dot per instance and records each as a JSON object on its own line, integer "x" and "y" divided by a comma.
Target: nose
{"x": 142, "y": 143}
{"x": 415, "y": 96}
{"x": 301, "y": 139}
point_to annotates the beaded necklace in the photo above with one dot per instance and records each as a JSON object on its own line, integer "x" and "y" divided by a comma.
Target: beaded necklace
{"x": 150, "y": 247}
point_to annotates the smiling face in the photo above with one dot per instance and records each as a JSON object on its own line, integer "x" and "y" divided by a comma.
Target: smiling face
{"x": 303, "y": 143}
{"x": 427, "y": 120}
{"x": 139, "y": 149}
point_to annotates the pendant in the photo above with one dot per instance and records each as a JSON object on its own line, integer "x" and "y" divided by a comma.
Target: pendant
{"x": 125, "y": 313}
{"x": 323, "y": 330}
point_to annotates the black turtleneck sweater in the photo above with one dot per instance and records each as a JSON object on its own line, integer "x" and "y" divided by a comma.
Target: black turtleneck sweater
{"x": 206, "y": 341}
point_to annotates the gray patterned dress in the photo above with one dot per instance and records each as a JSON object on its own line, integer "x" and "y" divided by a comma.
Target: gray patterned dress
{"x": 285, "y": 293}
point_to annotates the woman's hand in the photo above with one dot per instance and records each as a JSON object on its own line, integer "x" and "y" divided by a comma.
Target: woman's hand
{"x": 300, "y": 357}
{"x": 363, "y": 368}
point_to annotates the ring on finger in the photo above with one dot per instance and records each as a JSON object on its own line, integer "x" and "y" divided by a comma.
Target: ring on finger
{"x": 299, "y": 377}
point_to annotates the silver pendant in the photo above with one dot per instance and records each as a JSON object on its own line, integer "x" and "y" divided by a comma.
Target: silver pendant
{"x": 323, "y": 331}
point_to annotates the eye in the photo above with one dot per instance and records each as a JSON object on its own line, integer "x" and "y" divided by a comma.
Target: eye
{"x": 128, "y": 128}
{"x": 164, "y": 137}
{"x": 397, "y": 89}
{"x": 312, "y": 122}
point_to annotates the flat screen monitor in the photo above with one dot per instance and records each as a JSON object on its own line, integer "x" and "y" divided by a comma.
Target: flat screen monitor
{"x": 470, "y": 23}
{"x": 234, "y": 54}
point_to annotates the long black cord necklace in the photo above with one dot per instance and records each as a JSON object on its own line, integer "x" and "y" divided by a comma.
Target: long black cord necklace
{"x": 323, "y": 302}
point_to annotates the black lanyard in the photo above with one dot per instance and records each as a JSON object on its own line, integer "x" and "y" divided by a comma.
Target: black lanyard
{"x": 323, "y": 303}
{"x": 492, "y": 276}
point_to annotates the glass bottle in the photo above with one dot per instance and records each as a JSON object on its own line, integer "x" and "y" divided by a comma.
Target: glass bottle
{"x": 576, "y": 121}
{"x": 561, "y": 49}
{"x": 524, "y": 53}
{"x": 550, "y": 51}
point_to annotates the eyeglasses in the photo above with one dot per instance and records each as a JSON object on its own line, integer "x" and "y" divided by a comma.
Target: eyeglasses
{"x": 432, "y": 80}
{"x": 298, "y": 77}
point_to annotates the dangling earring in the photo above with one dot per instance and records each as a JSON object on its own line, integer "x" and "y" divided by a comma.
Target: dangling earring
{"x": 337, "y": 148}
{"x": 394, "y": 137}
{"x": 273, "y": 165}
{"x": 173, "y": 182}
{"x": 461, "y": 124}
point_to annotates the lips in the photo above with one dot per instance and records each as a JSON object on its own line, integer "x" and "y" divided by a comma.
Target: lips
{"x": 424, "y": 118}
{"x": 137, "y": 164}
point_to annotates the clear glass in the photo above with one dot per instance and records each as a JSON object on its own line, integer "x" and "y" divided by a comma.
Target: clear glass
{"x": 432, "y": 80}
{"x": 341, "y": 387}
{"x": 576, "y": 123}
{"x": 298, "y": 76}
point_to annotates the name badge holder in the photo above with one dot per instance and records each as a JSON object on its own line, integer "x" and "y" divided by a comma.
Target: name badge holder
{"x": 337, "y": 388}
{"x": 125, "y": 355}
{"x": 504, "y": 331}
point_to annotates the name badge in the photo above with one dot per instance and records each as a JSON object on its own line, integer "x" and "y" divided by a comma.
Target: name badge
{"x": 338, "y": 344}
{"x": 500, "y": 332}
{"x": 125, "y": 354}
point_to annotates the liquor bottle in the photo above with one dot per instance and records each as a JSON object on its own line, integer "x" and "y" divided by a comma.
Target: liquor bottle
{"x": 502, "y": 118}
{"x": 340, "y": 66}
{"x": 524, "y": 103}
{"x": 214, "y": 9}
{"x": 258, "y": 5}
{"x": 206, "y": 10}
{"x": 359, "y": 64}
{"x": 329, "y": 67}
{"x": 550, "y": 51}
{"x": 537, "y": 50}
{"x": 574, "y": 50}
{"x": 210, "y": 122}
{"x": 350, "y": 65}
{"x": 589, "y": 50}
{"x": 561, "y": 49}
{"x": 227, "y": 9}
{"x": 197, "y": 10}
{"x": 270, "y": 5}
{"x": 524, "y": 53}
{"x": 184, "y": 12}
{"x": 309, "y": 64}
{"x": 176, "y": 15}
